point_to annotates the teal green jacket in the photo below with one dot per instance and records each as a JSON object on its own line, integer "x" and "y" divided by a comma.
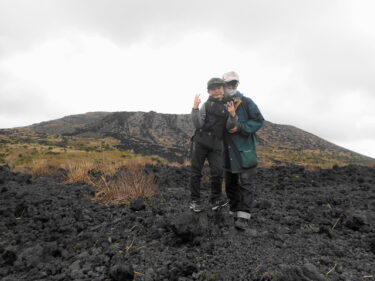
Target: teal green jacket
{"x": 240, "y": 147}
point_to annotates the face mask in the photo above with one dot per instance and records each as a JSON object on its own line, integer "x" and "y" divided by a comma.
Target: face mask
{"x": 230, "y": 92}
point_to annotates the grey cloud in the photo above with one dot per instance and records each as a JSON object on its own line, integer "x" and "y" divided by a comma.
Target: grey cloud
{"x": 247, "y": 22}
{"x": 24, "y": 23}
{"x": 344, "y": 130}
{"x": 318, "y": 36}
{"x": 336, "y": 61}
{"x": 322, "y": 39}
{"x": 21, "y": 99}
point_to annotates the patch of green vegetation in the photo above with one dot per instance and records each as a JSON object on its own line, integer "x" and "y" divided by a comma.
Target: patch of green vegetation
{"x": 2, "y": 157}
{"x": 23, "y": 158}
{"x": 212, "y": 277}
{"x": 98, "y": 161}
{"x": 157, "y": 159}
{"x": 52, "y": 153}
{"x": 47, "y": 142}
{"x": 91, "y": 147}
{"x": 127, "y": 154}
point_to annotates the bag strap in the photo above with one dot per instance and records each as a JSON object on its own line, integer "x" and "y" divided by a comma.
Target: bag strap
{"x": 246, "y": 105}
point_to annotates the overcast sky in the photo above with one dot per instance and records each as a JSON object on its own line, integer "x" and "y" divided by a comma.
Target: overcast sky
{"x": 310, "y": 64}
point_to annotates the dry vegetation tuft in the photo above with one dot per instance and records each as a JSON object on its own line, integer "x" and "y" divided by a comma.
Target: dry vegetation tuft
{"x": 130, "y": 182}
{"x": 115, "y": 183}
{"x": 41, "y": 167}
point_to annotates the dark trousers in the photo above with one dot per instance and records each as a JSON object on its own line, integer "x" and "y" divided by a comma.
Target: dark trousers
{"x": 214, "y": 156}
{"x": 240, "y": 191}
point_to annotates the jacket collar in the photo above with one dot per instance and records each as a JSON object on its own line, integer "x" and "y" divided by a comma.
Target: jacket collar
{"x": 238, "y": 95}
{"x": 210, "y": 98}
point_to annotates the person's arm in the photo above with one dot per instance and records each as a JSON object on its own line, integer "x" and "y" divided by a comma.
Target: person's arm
{"x": 255, "y": 120}
{"x": 232, "y": 118}
{"x": 198, "y": 115}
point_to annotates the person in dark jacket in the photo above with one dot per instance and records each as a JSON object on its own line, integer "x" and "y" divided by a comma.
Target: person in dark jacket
{"x": 210, "y": 122}
{"x": 240, "y": 159}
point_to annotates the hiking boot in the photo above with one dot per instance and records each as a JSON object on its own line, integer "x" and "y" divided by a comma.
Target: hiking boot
{"x": 241, "y": 223}
{"x": 196, "y": 206}
{"x": 217, "y": 204}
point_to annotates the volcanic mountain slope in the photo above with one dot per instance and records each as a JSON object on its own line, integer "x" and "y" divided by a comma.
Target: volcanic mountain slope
{"x": 67, "y": 124}
{"x": 305, "y": 226}
{"x": 168, "y": 135}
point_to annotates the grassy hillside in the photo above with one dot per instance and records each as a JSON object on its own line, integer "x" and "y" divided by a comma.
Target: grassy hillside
{"x": 118, "y": 176}
{"x": 22, "y": 149}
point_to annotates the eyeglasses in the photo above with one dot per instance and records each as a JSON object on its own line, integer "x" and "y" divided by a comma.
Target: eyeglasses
{"x": 214, "y": 87}
{"x": 232, "y": 83}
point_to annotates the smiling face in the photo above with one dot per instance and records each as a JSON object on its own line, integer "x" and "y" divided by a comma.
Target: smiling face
{"x": 216, "y": 91}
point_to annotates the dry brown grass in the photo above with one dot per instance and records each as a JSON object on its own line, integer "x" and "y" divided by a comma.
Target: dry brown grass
{"x": 130, "y": 183}
{"x": 312, "y": 168}
{"x": 41, "y": 167}
{"x": 78, "y": 171}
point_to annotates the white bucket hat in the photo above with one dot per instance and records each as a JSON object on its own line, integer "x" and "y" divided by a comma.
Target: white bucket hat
{"x": 230, "y": 76}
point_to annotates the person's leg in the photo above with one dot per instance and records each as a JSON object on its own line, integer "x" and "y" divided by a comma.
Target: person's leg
{"x": 232, "y": 190}
{"x": 198, "y": 157}
{"x": 246, "y": 198}
{"x": 215, "y": 161}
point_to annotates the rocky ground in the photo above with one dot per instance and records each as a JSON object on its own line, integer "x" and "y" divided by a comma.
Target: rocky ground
{"x": 305, "y": 226}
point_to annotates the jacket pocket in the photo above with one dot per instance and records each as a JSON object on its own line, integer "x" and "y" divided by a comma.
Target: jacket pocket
{"x": 205, "y": 139}
{"x": 248, "y": 158}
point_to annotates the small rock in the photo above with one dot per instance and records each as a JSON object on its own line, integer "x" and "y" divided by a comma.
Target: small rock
{"x": 264, "y": 205}
{"x": 372, "y": 244}
{"x": 32, "y": 256}
{"x": 308, "y": 272}
{"x": 9, "y": 257}
{"x": 75, "y": 266}
{"x": 137, "y": 204}
{"x": 187, "y": 226}
{"x": 150, "y": 274}
{"x": 23, "y": 178}
{"x": 121, "y": 272}
{"x": 356, "y": 220}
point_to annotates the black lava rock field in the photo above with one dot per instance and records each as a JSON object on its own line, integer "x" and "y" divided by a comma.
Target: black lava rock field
{"x": 305, "y": 226}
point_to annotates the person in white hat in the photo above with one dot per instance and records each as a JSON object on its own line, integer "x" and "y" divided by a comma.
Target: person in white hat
{"x": 240, "y": 159}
